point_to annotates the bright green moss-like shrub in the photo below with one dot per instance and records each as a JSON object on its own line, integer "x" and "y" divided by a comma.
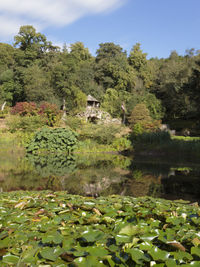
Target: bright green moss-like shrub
{"x": 53, "y": 140}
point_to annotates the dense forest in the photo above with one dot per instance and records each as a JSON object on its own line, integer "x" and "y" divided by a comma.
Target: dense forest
{"x": 35, "y": 70}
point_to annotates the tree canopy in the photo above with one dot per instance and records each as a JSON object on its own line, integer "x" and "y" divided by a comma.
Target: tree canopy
{"x": 35, "y": 70}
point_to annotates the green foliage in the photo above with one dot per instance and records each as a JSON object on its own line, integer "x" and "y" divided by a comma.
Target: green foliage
{"x": 26, "y": 123}
{"x": 50, "y": 113}
{"x": 140, "y": 114}
{"x": 37, "y": 84}
{"x": 74, "y": 123}
{"x": 4, "y": 112}
{"x": 138, "y": 129}
{"x": 35, "y": 70}
{"x": 59, "y": 229}
{"x": 101, "y": 134}
{"x": 159, "y": 137}
{"x": 121, "y": 144}
{"x": 53, "y": 140}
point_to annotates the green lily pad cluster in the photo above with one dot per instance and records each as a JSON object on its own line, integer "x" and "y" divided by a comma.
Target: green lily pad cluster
{"x": 57, "y": 229}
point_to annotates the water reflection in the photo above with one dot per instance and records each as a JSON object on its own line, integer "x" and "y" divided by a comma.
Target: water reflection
{"x": 100, "y": 174}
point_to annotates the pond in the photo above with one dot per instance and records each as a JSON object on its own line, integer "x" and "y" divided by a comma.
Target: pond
{"x": 99, "y": 174}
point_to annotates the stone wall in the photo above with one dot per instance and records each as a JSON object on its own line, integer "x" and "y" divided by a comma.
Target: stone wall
{"x": 97, "y": 116}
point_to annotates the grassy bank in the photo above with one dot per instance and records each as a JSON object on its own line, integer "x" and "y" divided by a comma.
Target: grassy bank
{"x": 56, "y": 229}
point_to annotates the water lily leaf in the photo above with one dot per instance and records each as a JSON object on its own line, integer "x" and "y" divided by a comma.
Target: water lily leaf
{"x": 123, "y": 239}
{"x": 154, "y": 264}
{"x": 54, "y": 237}
{"x": 91, "y": 261}
{"x": 10, "y": 259}
{"x": 28, "y": 255}
{"x": 171, "y": 263}
{"x": 149, "y": 237}
{"x": 92, "y": 235}
{"x": 158, "y": 254}
{"x": 97, "y": 251}
{"x": 196, "y": 241}
{"x": 129, "y": 230}
{"x": 4, "y": 243}
{"x": 146, "y": 246}
{"x": 108, "y": 219}
{"x": 110, "y": 261}
{"x": 137, "y": 255}
{"x": 181, "y": 255}
{"x": 195, "y": 251}
{"x": 48, "y": 253}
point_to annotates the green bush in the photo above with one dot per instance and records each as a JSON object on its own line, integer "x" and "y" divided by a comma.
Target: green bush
{"x": 26, "y": 123}
{"x": 53, "y": 140}
{"x": 102, "y": 134}
{"x": 121, "y": 144}
{"x": 137, "y": 129}
{"x": 74, "y": 123}
{"x": 4, "y": 112}
{"x": 50, "y": 113}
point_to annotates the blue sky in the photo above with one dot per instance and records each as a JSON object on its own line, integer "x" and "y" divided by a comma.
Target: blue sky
{"x": 159, "y": 25}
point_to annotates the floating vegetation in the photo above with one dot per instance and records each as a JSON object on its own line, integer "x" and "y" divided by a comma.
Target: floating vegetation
{"x": 57, "y": 229}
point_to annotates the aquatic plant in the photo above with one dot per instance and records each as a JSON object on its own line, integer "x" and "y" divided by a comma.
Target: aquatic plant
{"x": 56, "y": 229}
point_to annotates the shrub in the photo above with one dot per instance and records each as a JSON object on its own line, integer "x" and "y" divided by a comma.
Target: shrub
{"x": 25, "y": 109}
{"x": 53, "y": 140}
{"x": 4, "y": 112}
{"x": 50, "y": 113}
{"x": 74, "y": 123}
{"x": 102, "y": 134}
{"x": 121, "y": 144}
{"x": 140, "y": 114}
{"x": 137, "y": 129}
{"x": 26, "y": 123}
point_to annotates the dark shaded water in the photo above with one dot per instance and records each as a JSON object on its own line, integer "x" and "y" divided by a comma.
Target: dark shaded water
{"x": 100, "y": 174}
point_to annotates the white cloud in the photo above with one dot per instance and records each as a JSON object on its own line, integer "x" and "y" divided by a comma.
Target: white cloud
{"x": 44, "y": 13}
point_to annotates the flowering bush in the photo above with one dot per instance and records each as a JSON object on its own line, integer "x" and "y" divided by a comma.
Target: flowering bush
{"x": 25, "y": 109}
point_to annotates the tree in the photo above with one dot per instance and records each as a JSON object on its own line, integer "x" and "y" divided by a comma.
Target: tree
{"x": 28, "y": 38}
{"x": 112, "y": 69}
{"x": 137, "y": 59}
{"x": 170, "y": 85}
{"x": 37, "y": 84}
{"x": 78, "y": 51}
{"x": 140, "y": 114}
{"x": 194, "y": 90}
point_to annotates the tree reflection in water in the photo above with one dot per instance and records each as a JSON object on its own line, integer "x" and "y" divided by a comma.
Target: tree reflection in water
{"x": 99, "y": 174}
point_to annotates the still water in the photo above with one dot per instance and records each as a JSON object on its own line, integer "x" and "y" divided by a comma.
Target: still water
{"x": 100, "y": 174}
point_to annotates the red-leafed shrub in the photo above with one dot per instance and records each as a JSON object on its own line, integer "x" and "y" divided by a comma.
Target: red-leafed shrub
{"x": 25, "y": 109}
{"x": 50, "y": 113}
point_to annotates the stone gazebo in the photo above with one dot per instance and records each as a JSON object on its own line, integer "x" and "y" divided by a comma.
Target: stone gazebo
{"x": 94, "y": 114}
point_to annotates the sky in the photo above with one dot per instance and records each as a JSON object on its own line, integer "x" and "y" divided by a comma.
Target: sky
{"x": 160, "y": 26}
